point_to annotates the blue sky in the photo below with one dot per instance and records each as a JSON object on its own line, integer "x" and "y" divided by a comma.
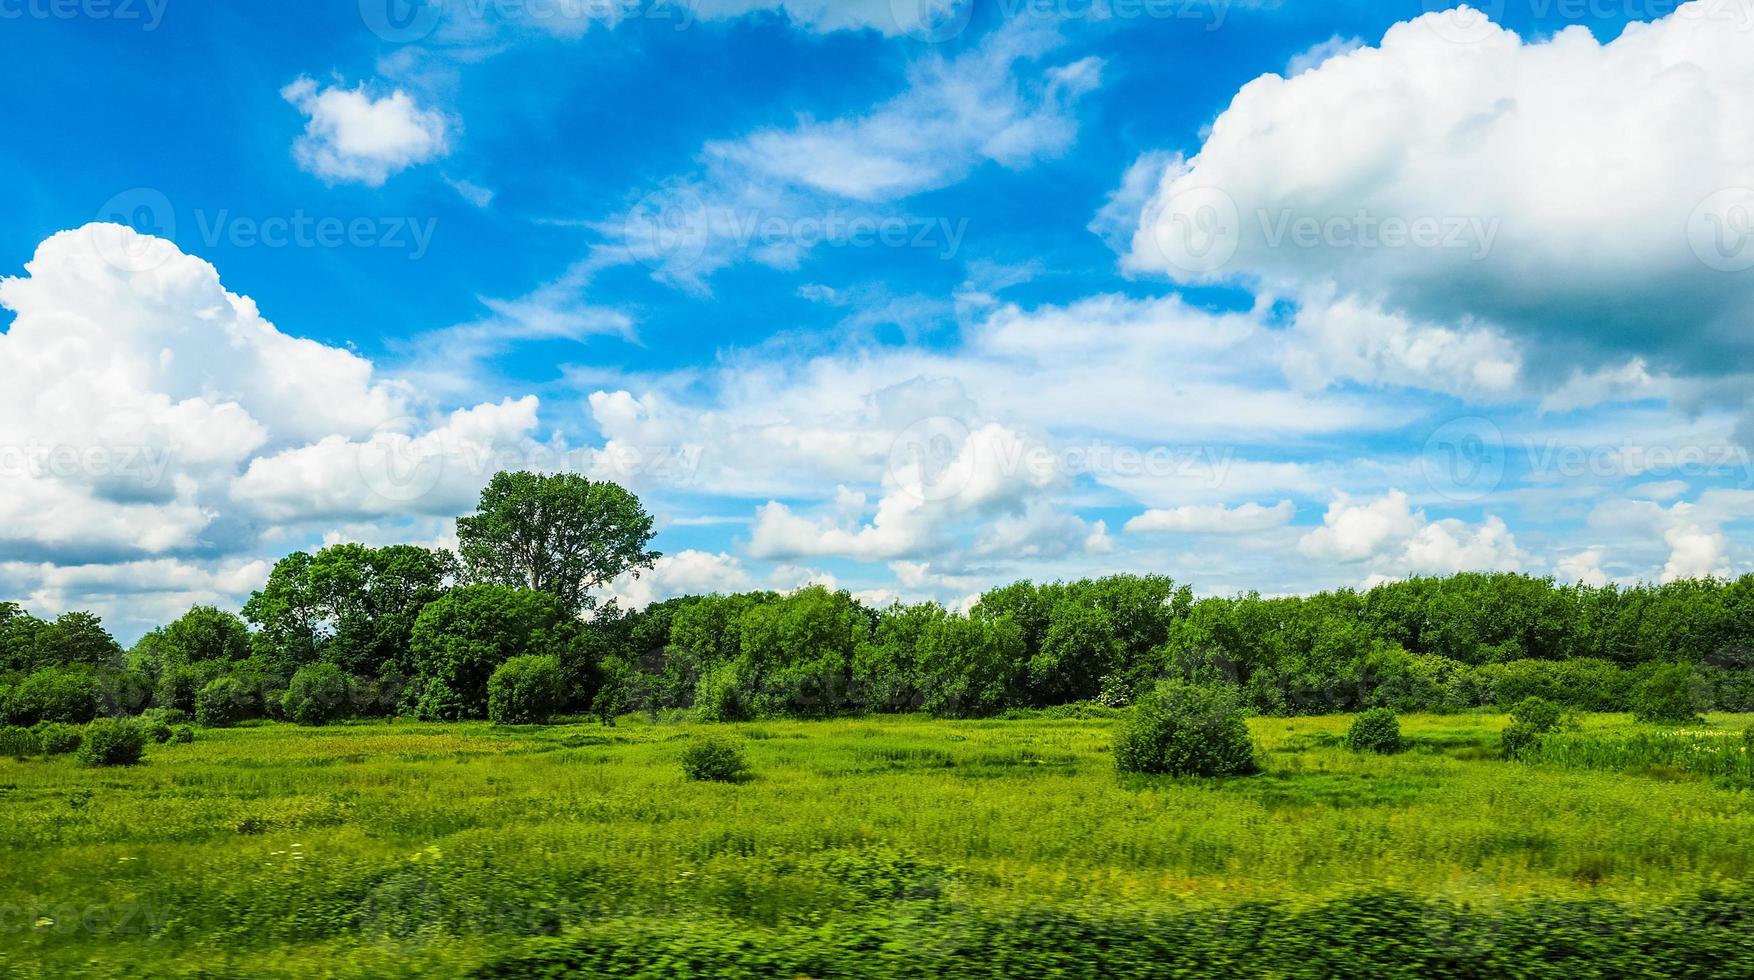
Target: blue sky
{"x": 895, "y": 295}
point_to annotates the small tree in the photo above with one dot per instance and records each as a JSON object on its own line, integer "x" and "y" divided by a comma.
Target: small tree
{"x": 714, "y": 759}
{"x": 525, "y": 690}
{"x": 1377, "y": 730}
{"x": 1670, "y": 696}
{"x": 111, "y": 742}
{"x": 319, "y": 694}
{"x": 1181, "y": 729}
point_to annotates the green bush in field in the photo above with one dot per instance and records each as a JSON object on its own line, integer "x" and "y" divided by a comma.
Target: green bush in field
{"x": 319, "y": 694}
{"x": 1670, "y": 696}
{"x": 182, "y": 735}
{"x": 1183, "y": 729}
{"x": 714, "y": 759}
{"x": 57, "y": 738}
{"x": 1532, "y": 718}
{"x": 462, "y": 638}
{"x": 112, "y": 742}
{"x": 437, "y": 702}
{"x": 223, "y": 702}
{"x": 154, "y": 729}
{"x": 1377, "y": 730}
{"x": 525, "y": 690}
{"x": 18, "y": 742}
{"x": 66, "y": 694}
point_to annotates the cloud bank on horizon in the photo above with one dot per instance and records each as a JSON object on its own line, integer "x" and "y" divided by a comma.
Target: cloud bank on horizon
{"x": 912, "y": 307}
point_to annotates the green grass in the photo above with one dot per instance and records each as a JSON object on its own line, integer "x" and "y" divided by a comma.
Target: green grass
{"x": 376, "y": 849}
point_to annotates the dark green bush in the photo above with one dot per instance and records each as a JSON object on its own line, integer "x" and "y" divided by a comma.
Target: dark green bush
{"x": 112, "y": 742}
{"x": 64, "y": 694}
{"x": 318, "y": 695}
{"x": 714, "y": 759}
{"x": 154, "y": 729}
{"x": 57, "y": 738}
{"x": 1183, "y": 729}
{"x": 1669, "y": 696}
{"x": 437, "y": 702}
{"x": 182, "y": 734}
{"x": 1377, "y": 730}
{"x": 223, "y": 702}
{"x": 525, "y": 690}
{"x": 720, "y": 695}
{"x": 1529, "y": 720}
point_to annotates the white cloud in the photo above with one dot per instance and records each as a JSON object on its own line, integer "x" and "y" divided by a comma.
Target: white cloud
{"x": 1214, "y": 519}
{"x": 1696, "y": 552}
{"x": 1584, "y": 568}
{"x": 352, "y": 136}
{"x": 1574, "y": 190}
{"x": 1319, "y": 54}
{"x": 774, "y": 195}
{"x": 153, "y": 422}
{"x": 1392, "y": 539}
{"x": 687, "y": 572}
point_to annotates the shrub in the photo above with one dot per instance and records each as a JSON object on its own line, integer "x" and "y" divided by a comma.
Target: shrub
{"x": 714, "y": 759}
{"x": 1532, "y": 718}
{"x": 182, "y": 735}
{"x": 65, "y": 694}
{"x": 170, "y": 716}
{"x": 525, "y": 690}
{"x": 112, "y": 742}
{"x": 18, "y": 742}
{"x": 155, "y": 730}
{"x": 57, "y": 738}
{"x": 1670, "y": 696}
{"x": 178, "y": 686}
{"x": 1183, "y": 729}
{"x": 462, "y": 638}
{"x": 319, "y": 694}
{"x": 223, "y": 702}
{"x": 1377, "y": 730}
{"x": 437, "y": 702}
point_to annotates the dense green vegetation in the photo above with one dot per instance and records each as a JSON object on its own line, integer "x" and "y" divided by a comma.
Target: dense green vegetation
{"x": 881, "y": 846}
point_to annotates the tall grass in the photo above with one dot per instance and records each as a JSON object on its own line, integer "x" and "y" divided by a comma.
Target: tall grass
{"x": 376, "y": 848}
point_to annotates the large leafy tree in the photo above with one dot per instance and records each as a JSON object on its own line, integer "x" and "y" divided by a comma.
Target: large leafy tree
{"x": 348, "y": 604}
{"x": 463, "y": 637}
{"x": 562, "y": 534}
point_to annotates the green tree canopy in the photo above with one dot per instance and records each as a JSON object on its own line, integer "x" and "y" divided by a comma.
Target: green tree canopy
{"x": 562, "y": 534}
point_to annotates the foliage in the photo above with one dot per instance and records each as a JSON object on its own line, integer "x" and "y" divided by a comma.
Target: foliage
{"x": 77, "y": 639}
{"x": 1669, "y": 696}
{"x": 182, "y": 735}
{"x": 224, "y": 702}
{"x": 1377, "y": 730}
{"x": 111, "y": 742}
{"x": 19, "y": 742}
{"x": 318, "y": 695}
{"x": 1183, "y": 729}
{"x": 154, "y": 729}
{"x": 561, "y": 534}
{"x": 1531, "y": 720}
{"x": 57, "y": 738}
{"x": 525, "y": 690}
{"x": 462, "y": 638}
{"x": 714, "y": 759}
{"x": 66, "y": 694}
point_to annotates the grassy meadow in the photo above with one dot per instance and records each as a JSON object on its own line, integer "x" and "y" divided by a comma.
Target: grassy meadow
{"x": 380, "y": 848}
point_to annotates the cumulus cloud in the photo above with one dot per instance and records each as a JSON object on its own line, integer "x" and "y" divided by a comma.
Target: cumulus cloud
{"x": 352, "y": 136}
{"x": 147, "y": 415}
{"x": 687, "y": 572}
{"x": 1393, "y": 539}
{"x": 1574, "y": 196}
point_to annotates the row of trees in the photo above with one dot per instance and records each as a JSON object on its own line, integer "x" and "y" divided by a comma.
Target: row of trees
{"x": 352, "y": 629}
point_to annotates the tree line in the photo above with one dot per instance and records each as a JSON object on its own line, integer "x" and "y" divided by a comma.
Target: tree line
{"x": 511, "y": 626}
